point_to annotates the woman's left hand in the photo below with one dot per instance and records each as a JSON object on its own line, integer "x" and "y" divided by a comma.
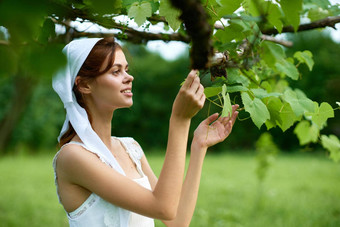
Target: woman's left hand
{"x": 207, "y": 134}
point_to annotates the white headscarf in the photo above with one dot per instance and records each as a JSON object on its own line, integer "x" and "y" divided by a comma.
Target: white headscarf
{"x": 76, "y": 53}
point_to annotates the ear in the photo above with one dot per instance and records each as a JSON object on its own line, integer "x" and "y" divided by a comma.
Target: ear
{"x": 82, "y": 86}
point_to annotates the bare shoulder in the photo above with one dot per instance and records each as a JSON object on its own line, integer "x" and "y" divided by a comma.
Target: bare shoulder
{"x": 74, "y": 157}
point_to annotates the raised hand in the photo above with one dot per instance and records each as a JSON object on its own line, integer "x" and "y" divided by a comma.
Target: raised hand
{"x": 190, "y": 98}
{"x": 214, "y": 129}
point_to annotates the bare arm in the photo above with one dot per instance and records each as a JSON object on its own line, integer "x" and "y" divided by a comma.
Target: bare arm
{"x": 206, "y": 135}
{"x": 84, "y": 169}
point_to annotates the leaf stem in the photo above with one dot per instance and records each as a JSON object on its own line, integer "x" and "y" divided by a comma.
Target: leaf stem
{"x": 214, "y": 103}
{"x": 243, "y": 119}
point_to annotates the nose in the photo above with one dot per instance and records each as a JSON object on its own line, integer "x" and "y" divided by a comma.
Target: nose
{"x": 128, "y": 78}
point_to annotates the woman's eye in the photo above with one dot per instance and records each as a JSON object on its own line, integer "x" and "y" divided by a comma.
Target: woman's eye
{"x": 115, "y": 72}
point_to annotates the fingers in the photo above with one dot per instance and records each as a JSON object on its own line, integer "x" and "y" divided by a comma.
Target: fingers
{"x": 202, "y": 99}
{"x": 232, "y": 116}
{"x": 194, "y": 87}
{"x": 234, "y": 107}
{"x": 235, "y": 113}
{"x": 211, "y": 118}
{"x": 190, "y": 78}
{"x": 233, "y": 119}
{"x": 190, "y": 98}
{"x": 192, "y": 83}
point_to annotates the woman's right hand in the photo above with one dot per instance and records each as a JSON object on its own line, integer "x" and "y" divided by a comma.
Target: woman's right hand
{"x": 190, "y": 98}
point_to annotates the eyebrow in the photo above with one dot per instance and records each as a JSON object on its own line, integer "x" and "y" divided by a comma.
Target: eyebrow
{"x": 120, "y": 65}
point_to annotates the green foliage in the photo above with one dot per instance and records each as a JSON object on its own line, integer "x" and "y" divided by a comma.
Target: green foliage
{"x": 306, "y": 132}
{"x": 228, "y": 7}
{"x": 104, "y": 6}
{"x": 332, "y": 144}
{"x": 212, "y": 91}
{"x": 274, "y": 17}
{"x": 139, "y": 11}
{"x": 10, "y": 66}
{"x": 281, "y": 114}
{"x": 287, "y": 68}
{"x": 256, "y": 108}
{"x": 298, "y": 101}
{"x": 292, "y": 11}
{"x": 170, "y": 13}
{"x": 305, "y": 57}
{"x": 227, "y": 109}
{"x": 321, "y": 114}
{"x": 272, "y": 53}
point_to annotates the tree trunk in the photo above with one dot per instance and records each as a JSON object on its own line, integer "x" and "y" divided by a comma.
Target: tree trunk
{"x": 23, "y": 89}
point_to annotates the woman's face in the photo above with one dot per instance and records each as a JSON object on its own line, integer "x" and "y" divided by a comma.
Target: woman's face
{"x": 112, "y": 90}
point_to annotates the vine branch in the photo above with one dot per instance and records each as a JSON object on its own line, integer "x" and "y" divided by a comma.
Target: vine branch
{"x": 326, "y": 22}
{"x": 135, "y": 36}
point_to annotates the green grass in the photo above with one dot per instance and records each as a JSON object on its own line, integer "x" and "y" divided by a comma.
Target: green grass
{"x": 299, "y": 190}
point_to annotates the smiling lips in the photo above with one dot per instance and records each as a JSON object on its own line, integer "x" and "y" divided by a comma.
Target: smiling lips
{"x": 127, "y": 92}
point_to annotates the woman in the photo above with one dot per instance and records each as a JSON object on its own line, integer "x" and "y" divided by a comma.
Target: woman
{"x": 106, "y": 181}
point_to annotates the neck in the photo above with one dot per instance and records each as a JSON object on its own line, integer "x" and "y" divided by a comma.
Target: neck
{"x": 101, "y": 124}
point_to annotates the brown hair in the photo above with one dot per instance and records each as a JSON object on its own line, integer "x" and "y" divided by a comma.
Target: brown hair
{"x": 90, "y": 70}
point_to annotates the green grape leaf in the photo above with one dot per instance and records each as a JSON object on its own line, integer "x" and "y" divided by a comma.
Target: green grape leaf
{"x": 288, "y": 69}
{"x": 104, "y": 6}
{"x": 266, "y": 86}
{"x": 274, "y": 17}
{"x": 261, "y": 93}
{"x": 274, "y": 106}
{"x": 212, "y": 91}
{"x": 287, "y": 116}
{"x": 306, "y": 133}
{"x": 256, "y": 108}
{"x": 235, "y": 77}
{"x": 305, "y": 57}
{"x": 332, "y": 144}
{"x": 334, "y": 10}
{"x": 154, "y": 6}
{"x": 140, "y": 11}
{"x": 270, "y": 124}
{"x": 321, "y": 114}
{"x": 281, "y": 114}
{"x": 251, "y": 7}
{"x": 233, "y": 31}
{"x": 317, "y": 13}
{"x": 227, "y": 109}
{"x": 321, "y": 3}
{"x": 170, "y": 13}
{"x": 237, "y": 88}
{"x": 272, "y": 53}
{"x": 127, "y": 3}
{"x": 47, "y": 31}
{"x": 281, "y": 86}
{"x": 228, "y": 7}
{"x": 298, "y": 101}
{"x": 292, "y": 9}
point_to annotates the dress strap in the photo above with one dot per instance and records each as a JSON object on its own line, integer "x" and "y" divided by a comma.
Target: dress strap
{"x": 134, "y": 150}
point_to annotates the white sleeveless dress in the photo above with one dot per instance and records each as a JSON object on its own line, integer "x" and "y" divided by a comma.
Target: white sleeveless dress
{"x": 95, "y": 211}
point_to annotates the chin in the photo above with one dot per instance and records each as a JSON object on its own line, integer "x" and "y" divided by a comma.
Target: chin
{"x": 127, "y": 105}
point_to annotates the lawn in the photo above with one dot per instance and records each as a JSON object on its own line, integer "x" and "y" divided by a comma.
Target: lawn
{"x": 299, "y": 190}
